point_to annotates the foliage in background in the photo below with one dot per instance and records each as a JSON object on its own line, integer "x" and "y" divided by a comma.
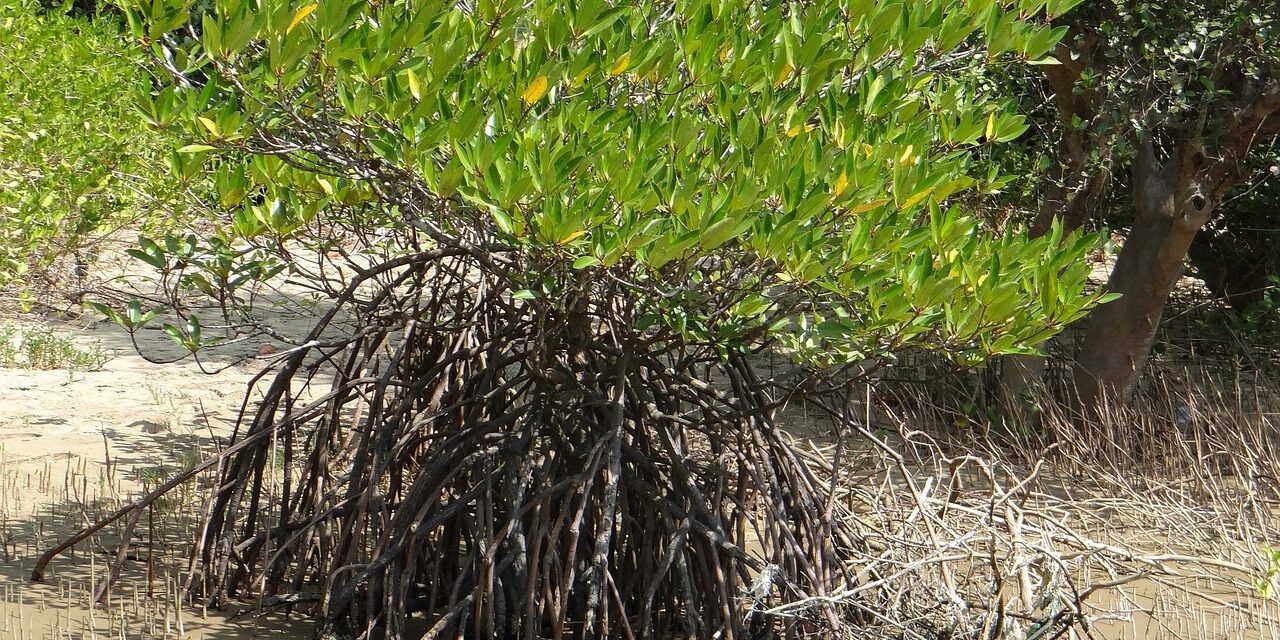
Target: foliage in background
{"x": 1125, "y": 72}
{"x": 76, "y": 161}
{"x": 1265, "y": 584}
{"x": 1238, "y": 253}
{"x": 44, "y": 348}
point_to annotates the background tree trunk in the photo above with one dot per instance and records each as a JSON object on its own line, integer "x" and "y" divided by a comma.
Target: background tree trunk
{"x": 1235, "y": 269}
{"x": 1171, "y": 206}
{"x": 1172, "y": 202}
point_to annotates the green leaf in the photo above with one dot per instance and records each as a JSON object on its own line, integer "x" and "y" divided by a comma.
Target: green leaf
{"x": 606, "y": 20}
{"x": 585, "y": 262}
{"x": 719, "y": 233}
{"x": 193, "y": 329}
{"x": 111, "y": 314}
{"x": 174, "y": 333}
{"x": 504, "y": 222}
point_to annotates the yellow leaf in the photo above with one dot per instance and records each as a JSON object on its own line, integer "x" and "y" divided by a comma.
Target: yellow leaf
{"x": 582, "y": 75}
{"x": 783, "y": 75}
{"x": 991, "y": 126}
{"x": 917, "y": 198}
{"x": 414, "y": 89}
{"x": 867, "y": 206}
{"x": 301, "y": 15}
{"x": 535, "y": 90}
{"x": 906, "y": 154}
{"x": 793, "y": 131}
{"x": 211, "y": 126}
{"x": 572, "y": 236}
{"x": 621, "y": 65}
{"x": 841, "y": 183}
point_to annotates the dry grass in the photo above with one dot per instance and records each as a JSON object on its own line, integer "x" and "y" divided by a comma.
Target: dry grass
{"x": 1152, "y": 524}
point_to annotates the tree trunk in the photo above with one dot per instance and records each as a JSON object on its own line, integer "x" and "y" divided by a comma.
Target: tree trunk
{"x": 1170, "y": 206}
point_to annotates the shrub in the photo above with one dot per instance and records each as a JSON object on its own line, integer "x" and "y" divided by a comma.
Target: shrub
{"x": 576, "y": 223}
{"x": 43, "y": 348}
{"x": 75, "y": 160}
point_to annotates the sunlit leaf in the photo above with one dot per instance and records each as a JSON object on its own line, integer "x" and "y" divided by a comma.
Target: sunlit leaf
{"x": 621, "y": 65}
{"x": 535, "y": 90}
{"x": 301, "y": 15}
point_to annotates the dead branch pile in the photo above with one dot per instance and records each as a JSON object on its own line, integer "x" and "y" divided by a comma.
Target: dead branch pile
{"x": 1065, "y": 546}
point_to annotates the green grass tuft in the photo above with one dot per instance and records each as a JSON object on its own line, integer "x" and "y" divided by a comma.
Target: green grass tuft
{"x": 43, "y": 348}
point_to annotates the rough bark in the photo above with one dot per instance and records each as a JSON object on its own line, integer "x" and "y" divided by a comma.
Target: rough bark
{"x": 1172, "y": 201}
{"x": 1170, "y": 207}
{"x": 1075, "y": 184}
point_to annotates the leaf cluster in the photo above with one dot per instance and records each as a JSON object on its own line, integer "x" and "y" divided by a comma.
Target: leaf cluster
{"x": 753, "y": 170}
{"x": 74, "y": 161}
